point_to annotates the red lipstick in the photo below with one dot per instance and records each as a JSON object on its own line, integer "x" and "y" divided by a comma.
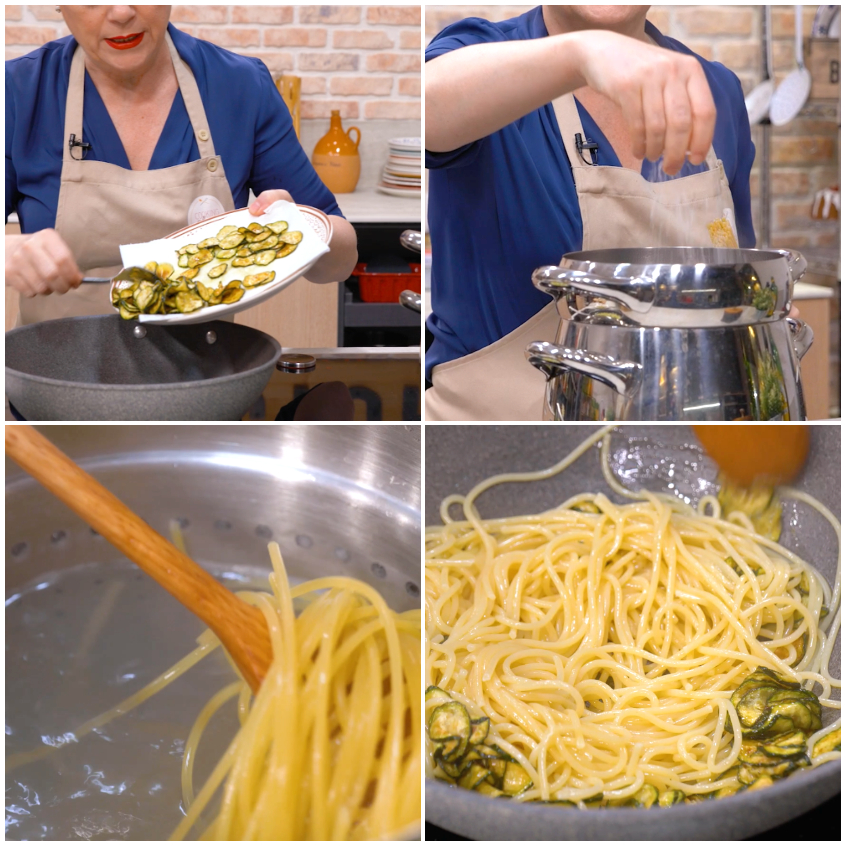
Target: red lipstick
{"x": 125, "y": 42}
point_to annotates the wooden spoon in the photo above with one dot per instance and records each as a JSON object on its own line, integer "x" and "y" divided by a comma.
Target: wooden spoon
{"x": 241, "y": 628}
{"x": 748, "y": 453}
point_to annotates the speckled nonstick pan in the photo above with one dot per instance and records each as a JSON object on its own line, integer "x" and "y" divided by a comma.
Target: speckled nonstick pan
{"x": 98, "y": 368}
{"x": 457, "y": 457}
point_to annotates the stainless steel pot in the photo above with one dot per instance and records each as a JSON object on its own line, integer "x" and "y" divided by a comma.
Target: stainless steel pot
{"x": 678, "y": 333}
{"x": 339, "y": 500}
{"x": 105, "y": 368}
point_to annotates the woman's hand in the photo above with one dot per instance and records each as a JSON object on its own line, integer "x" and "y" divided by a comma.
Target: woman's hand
{"x": 339, "y": 262}
{"x": 40, "y": 263}
{"x": 664, "y": 96}
{"x": 268, "y": 198}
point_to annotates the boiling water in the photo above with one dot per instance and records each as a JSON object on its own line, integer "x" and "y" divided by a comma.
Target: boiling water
{"x": 78, "y": 643}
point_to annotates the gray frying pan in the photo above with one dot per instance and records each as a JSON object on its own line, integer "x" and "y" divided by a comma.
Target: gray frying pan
{"x": 457, "y": 457}
{"x": 105, "y": 368}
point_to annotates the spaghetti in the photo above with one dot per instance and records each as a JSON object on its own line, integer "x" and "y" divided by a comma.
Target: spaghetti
{"x": 329, "y": 748}
{"x": 603, "y": 644}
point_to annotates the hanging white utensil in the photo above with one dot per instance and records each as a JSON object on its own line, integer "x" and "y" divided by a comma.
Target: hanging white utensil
{"x": 793, "y": 92}
{"x": 758, "y": 99}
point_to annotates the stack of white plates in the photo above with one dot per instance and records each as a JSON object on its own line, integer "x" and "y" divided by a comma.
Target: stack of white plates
{"x": 401, "y": 174}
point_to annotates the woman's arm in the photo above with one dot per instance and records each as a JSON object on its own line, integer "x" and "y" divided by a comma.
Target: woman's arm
{"x": 476, "y": 90}
{"x": 338, "y": 263}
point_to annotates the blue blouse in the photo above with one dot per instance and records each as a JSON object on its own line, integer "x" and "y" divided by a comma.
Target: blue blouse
{"x": 250, "y": 125}
{"x": 506, "y": 204}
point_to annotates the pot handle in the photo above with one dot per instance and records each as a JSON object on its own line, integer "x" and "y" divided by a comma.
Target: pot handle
{"x": 801, "y": 334}
{"x": 411, "y": 300}
{"x": 796, "y": 264}
{"x": 635, "y": 293}
{"x": 412, "y": 240}
{"x": 621, "y": 376}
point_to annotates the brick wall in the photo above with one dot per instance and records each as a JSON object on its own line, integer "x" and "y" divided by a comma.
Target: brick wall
{"x": 363, "y": 60}
{"x": 805, "y": 154}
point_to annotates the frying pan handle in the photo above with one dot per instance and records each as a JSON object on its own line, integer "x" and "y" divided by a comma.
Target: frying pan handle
{"x": 635, "y": 293}
{"x": 801, "y": 334}
{"x": 621, "y": 376}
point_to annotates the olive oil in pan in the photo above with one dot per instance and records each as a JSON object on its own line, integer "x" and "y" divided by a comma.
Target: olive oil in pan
{"x": 78, "y": 642}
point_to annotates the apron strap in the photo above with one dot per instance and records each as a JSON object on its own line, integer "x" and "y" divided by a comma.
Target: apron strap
{"x": 187, "y": 85}
{"x": 193, "y": 102}
{"x": 570, "y": 123}
{"x": 73, "y": 104}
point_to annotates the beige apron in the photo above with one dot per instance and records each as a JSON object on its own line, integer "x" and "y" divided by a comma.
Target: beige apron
{"x": 619, "y": 209}
{"x": 102, "y": 205}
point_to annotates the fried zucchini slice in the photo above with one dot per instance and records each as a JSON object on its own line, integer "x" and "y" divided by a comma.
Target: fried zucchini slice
{"x": 264, "y": 258}
{"x": 286, "y": 250}
{"x": 516, "y": 780}
{"x": 201, "y": 257}
{"x": 164, "y": 270}
{"x": 229, "y": 242}
{"x": 278, "y": 227}
{"x": 245, "y": 261}
{"x": 191, "y": 249}
{"x": 256, "y": 227}
{"x": 479, "y": 730}
{"x": 224, "y": 255}
{"x": 473, "y": 777}
{"x": 126, "y": 314}
{"x": 218, "y": 270}
{"x": 208, "y": 243}
{"x": 226, "y": 231}
{"x": 183, "y": 259}
{"x": 434, "y": 691}
{"x": 188, "y": 302}
{"x": 152, "y": 266}
{"x": 145, "y": 295}
{"x": 231, "y": 295}
{"x": 257, "y": 279}
{"x": 449, "y": 722}
{"x": 670, "y": 797}
{"x": 827, "y": 743}
{"x": 291, "y": 237}
{"x": 269, "y": 243}
{"x": 189, "y": 273}
{"x": 646, "y": 797}
{"x": 207, "y": 294}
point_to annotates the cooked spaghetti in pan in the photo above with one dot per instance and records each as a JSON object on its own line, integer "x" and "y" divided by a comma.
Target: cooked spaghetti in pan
{"x": 602, "y": 654}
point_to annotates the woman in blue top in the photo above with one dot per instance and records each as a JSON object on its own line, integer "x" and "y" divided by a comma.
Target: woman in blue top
{"x": 163, "y": 114}
{"x": 509, "y": 191}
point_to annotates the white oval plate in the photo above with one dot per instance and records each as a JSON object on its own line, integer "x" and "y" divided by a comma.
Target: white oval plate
{"x": 317, "y": 235}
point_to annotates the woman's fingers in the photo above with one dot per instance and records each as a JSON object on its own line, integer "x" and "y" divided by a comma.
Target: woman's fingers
{"x": 266, "y": 199}
{"x": 679, "y": 118}
{"x": 40, "y": 264}
{"x": 703, "y": 116}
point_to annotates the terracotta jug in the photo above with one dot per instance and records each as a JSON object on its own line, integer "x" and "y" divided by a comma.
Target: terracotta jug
{"x": 336, "y": 158}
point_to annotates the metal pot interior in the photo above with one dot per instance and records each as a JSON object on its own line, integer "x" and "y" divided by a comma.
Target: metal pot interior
{"x": 655, "y": 457}
{"x": 85, "y": 629}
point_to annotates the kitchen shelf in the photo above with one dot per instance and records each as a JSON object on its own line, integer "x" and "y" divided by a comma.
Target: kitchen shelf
{"x": 377, "y": 315}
